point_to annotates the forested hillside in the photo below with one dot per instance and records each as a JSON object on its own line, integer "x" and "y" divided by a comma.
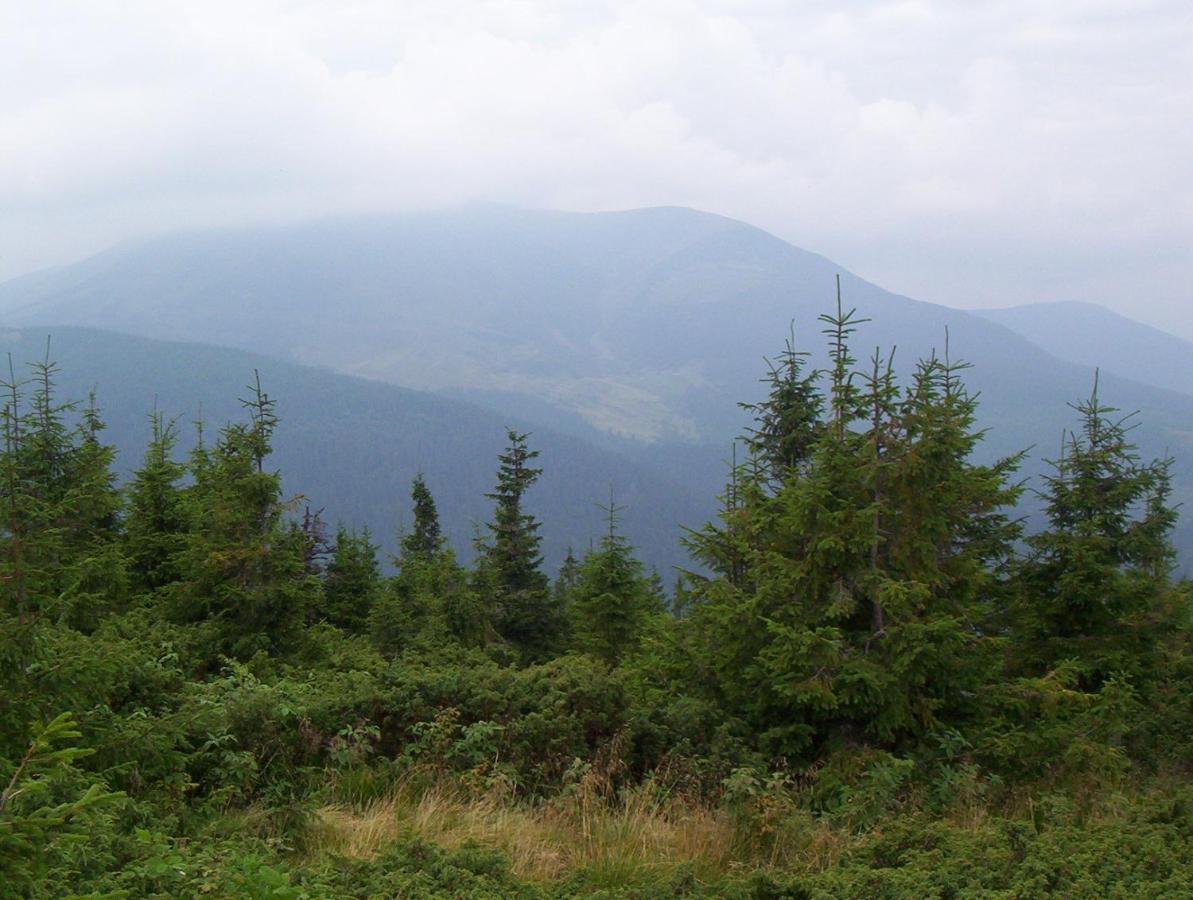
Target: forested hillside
{"x": 351, "y": 446}
{"x": 639, "y": 329}
{"x": 880, "y": 685}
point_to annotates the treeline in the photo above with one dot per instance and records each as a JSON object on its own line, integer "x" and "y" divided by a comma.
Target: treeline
{"x": 870, "y": 639}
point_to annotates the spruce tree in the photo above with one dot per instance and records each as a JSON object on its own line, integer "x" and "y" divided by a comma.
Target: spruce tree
{"x": 566, "y": 580}
{"x": 62, "y": 506}
{"x": 429, "y": 602}
{"x": 509, "y": 574}
{"x": 426, "y": 539}
{"x": 317, "y": 547}
{"x": 243, "y": 565}
{"x": 95, "y": 570}
{"x": 789, "y": 420}
{"x": 1096, "y": 588}
{"x": 352, "y": 580}
{"x": 859, "y": 586}
{"x": 155, "y": 518}
{"x": 612, "y": 597}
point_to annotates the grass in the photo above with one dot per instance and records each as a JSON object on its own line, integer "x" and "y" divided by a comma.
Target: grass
{"x": 640, "y": 834}
{"x": 645, "y": 840}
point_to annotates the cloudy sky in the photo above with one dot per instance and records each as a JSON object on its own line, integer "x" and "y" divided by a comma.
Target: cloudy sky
{"x": 976, "y": 154}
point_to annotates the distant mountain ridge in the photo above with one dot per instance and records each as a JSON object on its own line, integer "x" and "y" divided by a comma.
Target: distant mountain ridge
{"x": 638, "y": 330}
{"x": 1091, "y": 335}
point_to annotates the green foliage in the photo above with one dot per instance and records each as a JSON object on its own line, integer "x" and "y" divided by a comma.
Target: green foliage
{"x": 155, "y": 518}
{"x": 849, "y": 594}
{"x": 873, "y": 693}
{"x": 425, "y": 539}
{"x": 61, "y": 507}
{"x": 32, "y": 818}
{"x": 611, "y": 597}
{"x": 430, "y": 603}
{"x": 243, "y": 564}
{"x": 419, "y": 869}
{"x": 1096, "y": 588}
{"x": 791, "y": 418}
{"x": 509, "y": 574}
{"x": 431, "y": 600}
{"x": 352, "y": 581}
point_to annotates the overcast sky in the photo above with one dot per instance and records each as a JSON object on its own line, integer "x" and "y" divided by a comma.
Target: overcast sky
{"x": 973, "y": 153}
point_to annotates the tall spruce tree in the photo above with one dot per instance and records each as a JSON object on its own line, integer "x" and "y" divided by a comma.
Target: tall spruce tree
{"x": 788, "y": 421}
{"x": 565, "y": 582}
{"x": 429, "y": 602}
{"x": 861, "y": 582}
{"x": 96, "y": 581}
{"x": 426, "y": 538}
{"x": 317, "y": 546}
{"x": 509, "y": 572}
{"x": 62, "y": 505}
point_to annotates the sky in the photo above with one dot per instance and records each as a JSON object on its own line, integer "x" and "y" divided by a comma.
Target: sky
{"x": 969, "y": 153}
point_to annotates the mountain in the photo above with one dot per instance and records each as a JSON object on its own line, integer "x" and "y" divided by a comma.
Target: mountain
{"x": 352, "y": 446}
{"x": 638, "y": 331}
{"x": 649, "y": 323}
{"x": 1092, "y": 335}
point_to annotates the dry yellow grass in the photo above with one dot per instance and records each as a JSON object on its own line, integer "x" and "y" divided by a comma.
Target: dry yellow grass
{"x": 637, "y": 830}
{"x": 543, "y": 842}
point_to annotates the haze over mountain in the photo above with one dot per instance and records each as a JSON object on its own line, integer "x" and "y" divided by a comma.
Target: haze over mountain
{"x": 641, "y": 329}
{"x": 351, "y": 446}
{"x": 1092, "y": 335}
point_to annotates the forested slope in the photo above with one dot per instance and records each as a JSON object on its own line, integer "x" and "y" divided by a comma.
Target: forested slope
{"x": 641, "y": 329}
{"x": 351, "y": 446}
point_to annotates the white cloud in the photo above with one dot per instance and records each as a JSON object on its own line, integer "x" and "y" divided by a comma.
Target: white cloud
{"x": 970, "y": 153}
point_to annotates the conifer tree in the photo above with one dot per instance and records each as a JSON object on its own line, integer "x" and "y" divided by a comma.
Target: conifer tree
{"x": 62, "y": 506}
{"x": 426, "y": 539}
{"x": 316, "y": 545}
{"x": 788, "y": 422}
{"x": 352, "y": 580}
{"x": 566, "y": 580}
{"x": 657, "y": 588}
{"x": 429, "y": 602}
{"x": 509, "y": 574}
{"x": 34, "y": 814}
{"x": 17, "y": 503}
{"x": 95, "y": 571}
{"x": 612, "y": 598}
{"x": 155, "y": 519}
{"x": 1096, "y": 589}
{"x": 723, "y": 546}
{"x": 855, "y": 612}
{"x": 243, "y": 565}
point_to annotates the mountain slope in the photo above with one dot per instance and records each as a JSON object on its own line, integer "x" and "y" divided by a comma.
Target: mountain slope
{"x": 648, "y": 323}
{"x": 352, "y": 446}
{"x": 1091, "y": 335}
{"x": 640, "y": 330}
